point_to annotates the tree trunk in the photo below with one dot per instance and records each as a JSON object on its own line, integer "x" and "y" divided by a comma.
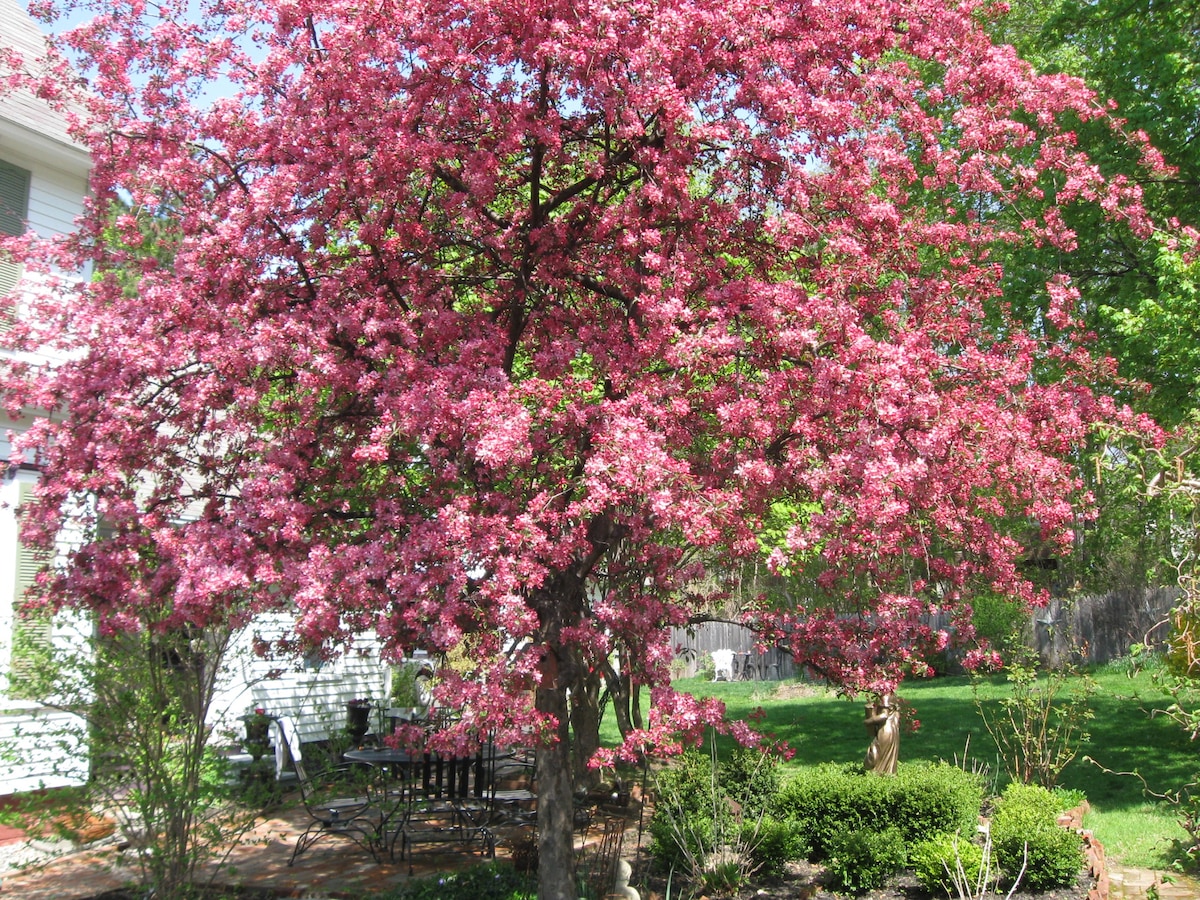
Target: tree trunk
{"x": 556, "y": 831}
{"x": 585, "y": 728}
{"x": 560, "y": 603}
{"x": 633, "y": 691}
{"x": 618, "y": 692}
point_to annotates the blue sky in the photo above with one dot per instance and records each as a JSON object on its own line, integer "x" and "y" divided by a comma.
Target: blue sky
{"x": 75, "y": 17}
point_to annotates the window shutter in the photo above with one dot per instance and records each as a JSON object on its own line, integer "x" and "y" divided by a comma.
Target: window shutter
{"x": 14, "y": 198}
{"x": 31, "y": 638}
{"x": 14, "y": 210}
{"x": 10, "y": 274}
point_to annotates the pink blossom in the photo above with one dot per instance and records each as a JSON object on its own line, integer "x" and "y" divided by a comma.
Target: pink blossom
{"x": 489, "y": 325}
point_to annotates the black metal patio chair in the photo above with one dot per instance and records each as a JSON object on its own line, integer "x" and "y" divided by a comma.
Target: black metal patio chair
{"x": 338, "y": 800}
{"x": 447, "y": 802}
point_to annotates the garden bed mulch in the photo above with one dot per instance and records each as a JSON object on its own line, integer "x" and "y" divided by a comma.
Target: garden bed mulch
{"x": 805, "y": 881}
{"x": 802, "y": 881}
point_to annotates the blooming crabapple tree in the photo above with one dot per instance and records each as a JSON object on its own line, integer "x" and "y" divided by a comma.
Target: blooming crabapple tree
{"x": 475, "y": 307}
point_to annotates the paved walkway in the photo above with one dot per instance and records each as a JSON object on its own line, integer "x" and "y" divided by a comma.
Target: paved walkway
{"x": 330, "y": 869}
{"x": 1134, "y": 884}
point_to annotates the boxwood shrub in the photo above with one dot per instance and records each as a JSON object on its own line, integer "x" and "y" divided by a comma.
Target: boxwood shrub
{"x": 1026, "y": 817}
{"x": 921, "y": 800}
{"x": 865, "y": 859}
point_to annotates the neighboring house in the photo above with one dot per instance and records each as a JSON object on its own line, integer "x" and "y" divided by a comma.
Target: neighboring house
{"x": 43, "y": 182}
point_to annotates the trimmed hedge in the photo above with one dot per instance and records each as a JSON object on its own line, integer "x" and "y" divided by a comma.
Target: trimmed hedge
{"x": 828, "y": 802}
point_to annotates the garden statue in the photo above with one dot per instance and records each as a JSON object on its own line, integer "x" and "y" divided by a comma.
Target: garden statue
{"x": 883, "y": 723}
{"x": 621, "y": 886}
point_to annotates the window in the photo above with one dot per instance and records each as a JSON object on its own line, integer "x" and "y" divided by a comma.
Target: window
{"x": 14, "y": 210}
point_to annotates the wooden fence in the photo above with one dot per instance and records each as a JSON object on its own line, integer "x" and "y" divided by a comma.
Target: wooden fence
{"x": 1092, "y": 629}
{"x": 694, "y": 648}
{"x": 1103, "y": 627}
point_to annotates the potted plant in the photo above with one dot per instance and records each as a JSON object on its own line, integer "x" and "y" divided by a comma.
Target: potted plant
{"x": 358, "y": 718}
{"x": 259, "y": 776}
{"x": 258, "y": 733}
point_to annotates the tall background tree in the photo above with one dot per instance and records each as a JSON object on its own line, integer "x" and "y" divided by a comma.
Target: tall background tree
{"x": 486, "y": 322}
{"x": 1141, "y": 297}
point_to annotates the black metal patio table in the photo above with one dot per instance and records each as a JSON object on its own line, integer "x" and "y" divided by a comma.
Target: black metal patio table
{"x": 396, "y": 769}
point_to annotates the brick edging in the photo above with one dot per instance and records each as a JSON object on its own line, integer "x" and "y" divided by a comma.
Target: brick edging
{"x": 1097, "y": 865}
{"x": 1093, "y": 850}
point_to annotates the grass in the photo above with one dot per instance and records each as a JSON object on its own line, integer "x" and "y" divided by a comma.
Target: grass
{"x": 1135, "y": 830}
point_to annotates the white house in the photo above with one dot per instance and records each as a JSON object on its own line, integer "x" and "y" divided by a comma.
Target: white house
{"x": 43, "y": 181}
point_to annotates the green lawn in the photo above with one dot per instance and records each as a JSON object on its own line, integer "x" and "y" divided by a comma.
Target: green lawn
{"x": 1135, "y": 831}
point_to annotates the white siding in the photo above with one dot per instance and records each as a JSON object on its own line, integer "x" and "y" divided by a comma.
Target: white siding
{"x": 315, "y": 697}
{"x": 41, "y": 748}
{"x": 55, "y": 194}
{"x": 34, "y": 137}
{"x": 55, "y": 200}
{"x": 22, "y": 107}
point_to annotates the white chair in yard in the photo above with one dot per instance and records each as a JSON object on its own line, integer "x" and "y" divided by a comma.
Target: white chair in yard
{"x": 723, "y": 665}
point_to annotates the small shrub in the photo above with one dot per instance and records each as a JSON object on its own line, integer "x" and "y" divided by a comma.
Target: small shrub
{"x": 827, "y": 801}
{"x": 493, "y": 881}
{"x": 1055, "y": 857}
{"x": 936, "y": 862}
{"x": 709, "y": 820}
{"x": 1024, "y": 806}
{"x": 687, "y": 811}
{"x": 1025, "y": 833}
{"x": 772, "y": 844}
{"x": 752, "y": 777}
{"x": 677, "y": 836}
{"x": 935, "y": 799}
{"x": 1067, "y": 798}
{"x": 865, "y": 859}
{"x": 1040, "y": 726}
